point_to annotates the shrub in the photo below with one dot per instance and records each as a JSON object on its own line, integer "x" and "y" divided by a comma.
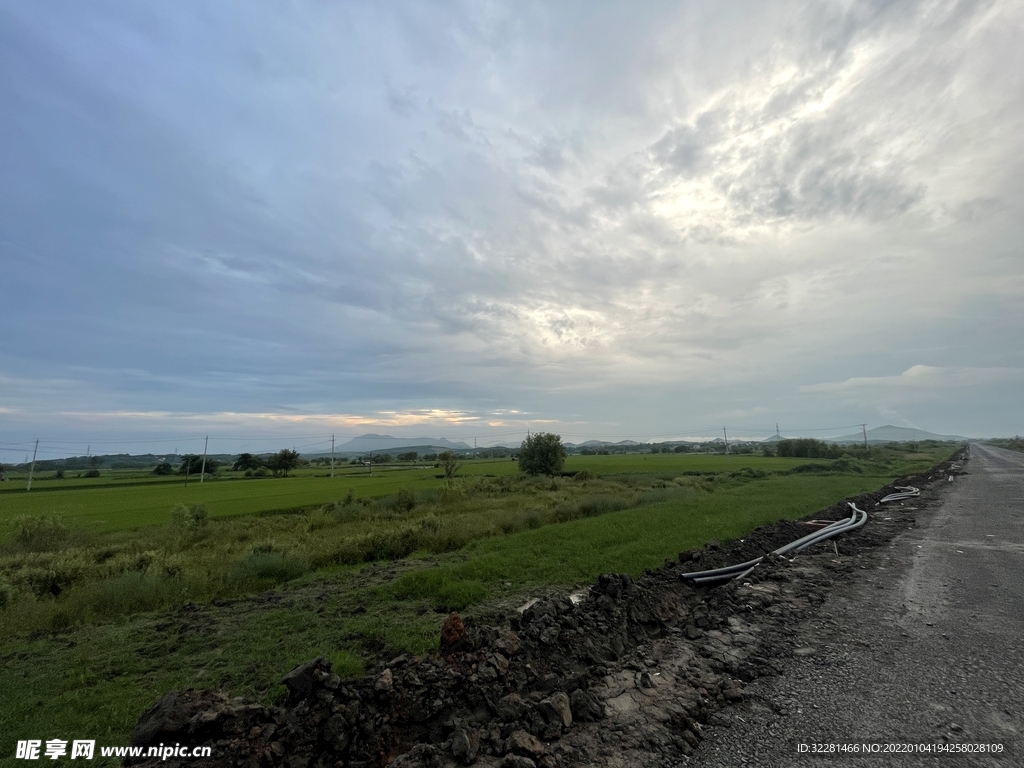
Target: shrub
{"x": 127, "y": 594}
{"x": 404, "y": 500}
{"x": 190, "y": 517}
{"x": 92, "y": 473}
{"x": 42, "y": 533}
{"x": 163, "y": 468}
{"x": 265, "y": 569}
{"x": 600, "y": 505}
{"x": 319, "y": 519}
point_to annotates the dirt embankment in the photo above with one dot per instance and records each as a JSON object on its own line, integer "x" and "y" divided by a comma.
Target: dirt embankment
{"x": 624, "y": 677}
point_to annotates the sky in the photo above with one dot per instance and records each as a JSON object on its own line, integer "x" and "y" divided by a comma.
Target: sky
{"x": 271, "y": 222}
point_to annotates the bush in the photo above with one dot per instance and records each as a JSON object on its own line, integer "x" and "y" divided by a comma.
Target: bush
{"x": 190, "y": 517}
{"x": 404, "y": 500}
{"x": 164, "y": 468}
{"x": 44, "y": 533}
{"x": 807, "y": 448}
{"x": 92, "y": 473}
{"x": 265, "y": 569}
{"x": 542, "y": 454}
{"x": 128, "y": 593}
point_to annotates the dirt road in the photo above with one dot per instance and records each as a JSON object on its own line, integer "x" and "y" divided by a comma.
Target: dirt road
{"x": 925, "y": 648}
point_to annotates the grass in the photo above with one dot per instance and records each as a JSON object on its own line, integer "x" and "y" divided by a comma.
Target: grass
{"x": 126, "y": 499}
{"x": 85, "y": 662}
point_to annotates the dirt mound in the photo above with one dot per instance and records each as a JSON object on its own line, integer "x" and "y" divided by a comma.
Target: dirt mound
{"x": 624, "y": 677}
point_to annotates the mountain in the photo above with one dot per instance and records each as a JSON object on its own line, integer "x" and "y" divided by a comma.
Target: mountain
{"x": 892, "y": 434}
{"x": 387, "y": 442}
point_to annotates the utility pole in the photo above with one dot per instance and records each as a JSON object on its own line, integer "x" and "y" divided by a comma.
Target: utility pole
{"x": 202, "y": 472}
{"x": 188, "y": 467}
{"x": 332, "y": 455}
{"x": 371, "y": 463}
{"x": 777, "y": 435}
{"x": 32, "y": 468}
{"x": 726, "y": 441}
{"x": 864, "y": 429}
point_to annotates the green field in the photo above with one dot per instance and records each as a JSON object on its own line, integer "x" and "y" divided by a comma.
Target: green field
{"x": 131, "y": 499}
{"x": 91, "y": 633}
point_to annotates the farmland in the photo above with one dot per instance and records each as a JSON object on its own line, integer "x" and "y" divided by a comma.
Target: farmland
{"x": 122, "y": 499}
{"x": 110, "y": 598}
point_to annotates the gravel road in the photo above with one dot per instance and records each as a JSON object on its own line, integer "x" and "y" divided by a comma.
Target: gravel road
{"x": 924, "y": 647}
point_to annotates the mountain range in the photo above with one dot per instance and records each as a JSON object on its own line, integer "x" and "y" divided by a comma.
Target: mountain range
{"x": 371, "y": 442}
{"x": 893, "y": 434}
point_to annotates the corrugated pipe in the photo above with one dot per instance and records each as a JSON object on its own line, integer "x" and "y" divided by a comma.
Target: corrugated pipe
{"x": 903, "y": 492}
{"x": 856, "y": 519}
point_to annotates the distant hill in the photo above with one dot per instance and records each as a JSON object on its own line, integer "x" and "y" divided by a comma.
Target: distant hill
{"x": 365, "y": 443}
{"x": 891, "y": 434}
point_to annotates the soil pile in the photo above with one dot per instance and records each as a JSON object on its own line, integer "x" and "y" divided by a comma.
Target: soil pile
{"x": 624, "y": 677}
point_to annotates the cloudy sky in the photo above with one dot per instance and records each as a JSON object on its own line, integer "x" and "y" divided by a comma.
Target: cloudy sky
{"x": 606, "y": 219}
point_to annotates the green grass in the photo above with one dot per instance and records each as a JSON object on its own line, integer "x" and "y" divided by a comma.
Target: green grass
{"x": 123, "y": 499}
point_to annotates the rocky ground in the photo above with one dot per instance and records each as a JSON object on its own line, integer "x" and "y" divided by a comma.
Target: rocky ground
{"x": 629, "y": 675}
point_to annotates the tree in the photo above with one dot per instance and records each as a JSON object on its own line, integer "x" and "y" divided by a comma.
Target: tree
{"x": 450, "y": 463}
{"x": 542, "y": 454}
{"x": 283, "y": 462}
{"x": 247, "y": 461}
{"x": 190, "y": 464}
{"x": 164, "y": 468}
{"x": 410, "y": 456}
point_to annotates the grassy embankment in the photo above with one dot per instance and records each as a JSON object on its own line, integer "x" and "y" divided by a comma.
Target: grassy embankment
{"x": 101, "y": 651}
{"x": 1009, "y": 443}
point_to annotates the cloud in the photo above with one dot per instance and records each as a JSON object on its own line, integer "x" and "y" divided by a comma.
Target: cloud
{"x": 922, "y": 377}
{"x": 462, "y": 210}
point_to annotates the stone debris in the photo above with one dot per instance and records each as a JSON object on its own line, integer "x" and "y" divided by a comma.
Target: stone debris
{"x": 623, "y": 677}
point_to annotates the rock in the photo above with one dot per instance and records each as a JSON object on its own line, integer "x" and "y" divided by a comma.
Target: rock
{"x": 168, "y": 720}
{"x": 508, "y": 642}
{"x": 465, "y": 745}
{"x": 526, "y": 744}
{"x": 385, "y": 682}
{"x": 303, "y": 678}
{"x": 517, "y": 761}
{"x": 556, "y": 709}
{"x": 585, "y": 707}
{"x": 420, "y": 756}
{"x": 512, "y": 707}
{"x": 336, "y": 733}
